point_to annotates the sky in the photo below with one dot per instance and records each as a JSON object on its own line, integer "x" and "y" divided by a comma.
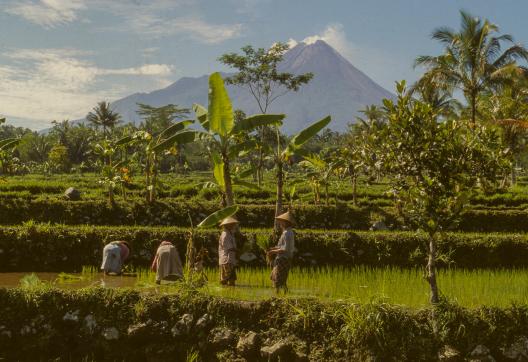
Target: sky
{"x": 58, "y": 58}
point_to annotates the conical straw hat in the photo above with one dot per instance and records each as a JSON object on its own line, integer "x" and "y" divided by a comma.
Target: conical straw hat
{"x": 287, "y": 216}
{"x": 228, "y": 221}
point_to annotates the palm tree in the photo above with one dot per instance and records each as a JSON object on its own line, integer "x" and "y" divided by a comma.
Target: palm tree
{"x": 437, "y": 96}
{"x": 103, "y": 116}
{"x": 507, "y": 107}
{"x": 473, "y": 59}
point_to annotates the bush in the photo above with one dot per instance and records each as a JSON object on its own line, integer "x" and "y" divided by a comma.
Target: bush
{"x": 43, "y": 247}
{"x": 169, "y": 212}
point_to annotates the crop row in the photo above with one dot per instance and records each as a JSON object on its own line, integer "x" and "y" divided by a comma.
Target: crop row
{"x": 45, "y": 247}
{"x": 193, "y": 188}
{"x": 178, "y": 213}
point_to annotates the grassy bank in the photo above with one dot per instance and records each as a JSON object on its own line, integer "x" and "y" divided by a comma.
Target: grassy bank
{"x": 106, "y": 324}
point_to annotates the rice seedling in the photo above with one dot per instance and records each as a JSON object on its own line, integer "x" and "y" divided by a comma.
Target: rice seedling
{"x": 359, "y": 284}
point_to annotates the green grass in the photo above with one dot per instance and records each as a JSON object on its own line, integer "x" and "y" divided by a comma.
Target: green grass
{"x": 470, "y": 288}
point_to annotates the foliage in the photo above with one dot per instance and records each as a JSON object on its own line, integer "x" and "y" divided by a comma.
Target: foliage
{"x": 216, "y": 217}
{"x": 434, "y": 166}
{"x": 225, "y": 135}
{"x": 155, "y": 146}
{"x": 103, "y": 116}
{"x": 156, "y": 119}
{"x": 58, "y": 157}
{"x": 473, "y": 60}
{"x": 258, "y": 71}
{"x": 375, "y": 330}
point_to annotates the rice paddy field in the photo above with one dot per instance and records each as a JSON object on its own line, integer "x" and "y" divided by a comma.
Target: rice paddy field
{"x": 352, "y": 292}
{"x": 406, "y": 287}
{"x": 355, "y": 283}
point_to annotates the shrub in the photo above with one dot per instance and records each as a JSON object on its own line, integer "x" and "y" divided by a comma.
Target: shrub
{"x": 45, "y": 247}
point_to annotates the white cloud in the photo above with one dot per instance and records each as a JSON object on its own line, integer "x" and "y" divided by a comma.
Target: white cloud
{"x": 47, "y": 84}
{"x": 334, "y": 35}
{"x": 157, "y": 26}
{"x": 376, "y": 62}
{"x": 292, "y": 43}
{"x": 153, "y": 18}
{"x": 47, "y": 13}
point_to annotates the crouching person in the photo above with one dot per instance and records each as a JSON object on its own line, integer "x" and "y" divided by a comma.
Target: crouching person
{"x": 167, "y": 263}
{"x": 114, "y": 255}
{"x": 283, "y": 252}
{"x": 227, "y": 251}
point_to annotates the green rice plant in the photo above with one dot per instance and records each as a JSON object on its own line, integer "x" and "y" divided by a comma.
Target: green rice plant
{"x": 192, "y": 356}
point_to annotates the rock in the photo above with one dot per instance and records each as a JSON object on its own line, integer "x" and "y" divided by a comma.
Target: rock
{"x": 248, "y": 257}
{"x": 379, "y": 225}
{"x": 247, "y": 345}
{"x": 204, "y": 322}
{"x": 481, "y": 353}
{"x": 4, "y": 332}
{"x": 448, "y": 353}
{"x": 183, "y": 326}
{"x": 25, "y": 330}
{"x": 90, "y": 323}
{"x": 301, "y": 357}
{"x": 281, "y": 349}
{"x": 72, "y": 194}
{"x": 111, "y": 333}
{"x": 71, "y": 316}
{"x": 518, "y": 351}
{"x": 221, "y": 338}
{"x": 136, "y": 329}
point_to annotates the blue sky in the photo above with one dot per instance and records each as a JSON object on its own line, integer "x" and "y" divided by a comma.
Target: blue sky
{"x": 58, "y": 58}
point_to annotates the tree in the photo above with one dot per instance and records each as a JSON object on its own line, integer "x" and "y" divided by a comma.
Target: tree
{"x": 507, "y": 107}
{"x": 156, "y": 119}
{"x": 433, "y": 167}
{"x": 110, "y": 175}
{"x": 103, "y": 116}
{"x": 58, "y": 157}
{"x": 320, "y": 172}
{"x": 35, "y": 147}
{"x": 283, "y": 154}
{"x": 472, "y": 60}
{"x": 219, "y": 122}
{"x": 77, "y": 138}
{"x": 258, "y": 72}
{"x": 7, "y": 146}
{"x": 156, "y": 146}
{"x": 364, "y": 138}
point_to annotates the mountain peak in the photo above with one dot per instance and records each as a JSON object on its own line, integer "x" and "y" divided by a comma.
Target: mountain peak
{"x": 337, "y": 88}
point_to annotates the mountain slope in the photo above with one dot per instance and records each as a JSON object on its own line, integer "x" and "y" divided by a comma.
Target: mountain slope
{"x": 338, "y": 89}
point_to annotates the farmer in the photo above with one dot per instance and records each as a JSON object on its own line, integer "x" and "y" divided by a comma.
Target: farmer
{"x": 167, "y": 263}
{"x": 283, "y": 252}
{"x": 227, "y": 251}
{"x": 114, "y": 255}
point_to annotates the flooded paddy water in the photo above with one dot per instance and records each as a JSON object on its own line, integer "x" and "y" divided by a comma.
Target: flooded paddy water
{"x": 357, "y": 284}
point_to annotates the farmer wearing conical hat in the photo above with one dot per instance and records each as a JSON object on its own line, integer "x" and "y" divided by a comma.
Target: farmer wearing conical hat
{"x": 283, "y": 252}
{"x": 227, "y": 251}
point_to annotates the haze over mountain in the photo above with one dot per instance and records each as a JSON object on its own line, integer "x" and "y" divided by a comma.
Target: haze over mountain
{"x": 338, "y": 89}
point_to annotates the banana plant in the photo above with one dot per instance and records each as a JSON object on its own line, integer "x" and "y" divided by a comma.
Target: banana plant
{"x": 224, "y": 134}
{"x": 6, "y": 147}
{"x": 155, "y": 146}
{"x": 110, "y": 176}
{"x": 320, "y": 172}
{"x": 293, "y": 148}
